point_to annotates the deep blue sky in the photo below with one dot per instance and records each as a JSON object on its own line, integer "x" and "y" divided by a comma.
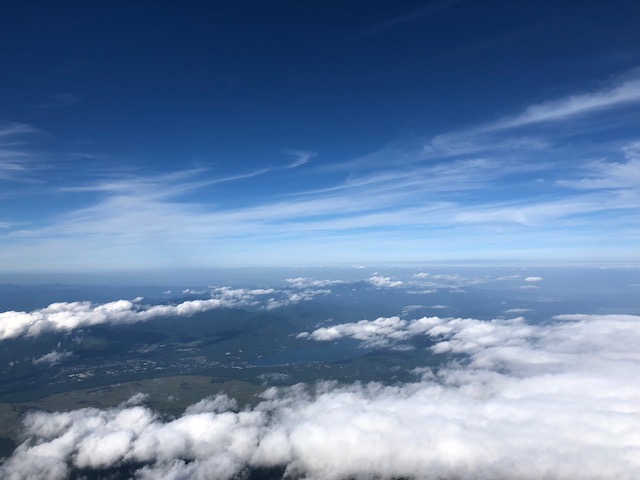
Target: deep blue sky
{"x": 194, "y": 134}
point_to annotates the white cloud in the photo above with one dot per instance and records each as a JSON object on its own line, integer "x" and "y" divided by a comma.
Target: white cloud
{"x": 300, "y": 157}
{"x": 518, "y": 310}
{"x": 16, "y": 159}
{"x": 555, "y": 400}
{"x": 298, "y": 296}
{"x": 397, "y": 200}
{"x": 452, "y": 281}
{"x": 623, "y": 93}
{"x": 52, "y": 357}
{"x": 420, "y": 275}
{"x": 12, "y": 129}
{"x": 189, "y": 291}
{"x": 608, "y": 174}
{"x": 304, "y": 282}
{"x": 217, "y": 404}
{"x": 380, "y": 281}
{"x": 60, "y": 100}
{"x": 375, "y": 333}
{"x": 135, "y": 399}
{"x": 67, "y": 316}
{"x": 533, "y": 279}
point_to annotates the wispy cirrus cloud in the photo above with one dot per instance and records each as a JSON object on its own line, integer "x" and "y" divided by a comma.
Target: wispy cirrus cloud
{"x": 152, "y": 210}
{"x": 518, "y": 132}
{"x": 625, "y": 91}
{"x": 610, "y": 174}
{"x": 476, "y": 183}
{"x": 300, "y": 157}
{"x": 14, "y": 129}
{"x": 59, "y": 100}
{"x": 14, "y": 157}
{"x": 390, "y": 23}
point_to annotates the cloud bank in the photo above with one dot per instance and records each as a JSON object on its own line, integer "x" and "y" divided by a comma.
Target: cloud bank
{"x": 558, "y": 400}
{"x": 67, "y": 316}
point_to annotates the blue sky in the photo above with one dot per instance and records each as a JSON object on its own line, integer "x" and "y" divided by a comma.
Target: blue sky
{"x": 202, "y": 134}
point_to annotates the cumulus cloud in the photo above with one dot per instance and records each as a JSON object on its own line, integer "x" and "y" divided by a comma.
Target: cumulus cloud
{"x": 533, "y": 279}
{"x": 375, "y": 333}
{"x": 556, "y": 400}
{"x": 67, "y": 316}
{"x": 420, "y": 275}
{"x": 289, "y": 297}
{"x": 380, "y": 281}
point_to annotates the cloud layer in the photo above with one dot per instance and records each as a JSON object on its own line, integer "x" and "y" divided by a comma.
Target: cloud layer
{"x": 67, "y": 316}
{"x": 558, "y": 400}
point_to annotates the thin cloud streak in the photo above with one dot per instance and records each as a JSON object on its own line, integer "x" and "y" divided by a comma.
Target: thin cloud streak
{"x": 301, "y": 157}
{"x": 624, "y": 93}
{"x": 13, "y": 129}
{"x": 60, "y": 100}
{"x": 434, "y": 7}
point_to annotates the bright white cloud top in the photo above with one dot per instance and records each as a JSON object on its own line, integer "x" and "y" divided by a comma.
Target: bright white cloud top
{"x": 557, "y": 400}
{"x": 67, "y": 316}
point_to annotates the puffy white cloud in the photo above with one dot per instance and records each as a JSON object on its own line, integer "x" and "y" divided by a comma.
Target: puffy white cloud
{"x": 533, "y": 279}
{"x": 420, "y": 275}
{"x": 289, "y": 298}
{"x": 220, "y": 403}
{"x": 67, "y": 316}
{"x": 375, "y": 333}
{"x": 555, "y": 400}
{"x": 380, "y": 281}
